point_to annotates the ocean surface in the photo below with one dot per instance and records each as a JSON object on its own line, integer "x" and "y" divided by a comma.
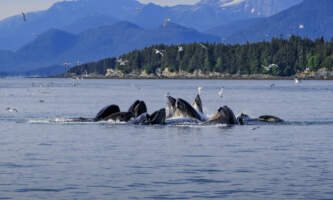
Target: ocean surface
{"x": 44, "y": 157}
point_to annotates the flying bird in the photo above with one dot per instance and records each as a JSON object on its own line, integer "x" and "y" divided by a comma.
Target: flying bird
{"x": 220, "y": 93}
{"x": 267, "y": 68}
{"x": 122, "y": 62}
{"x": 166, "y": 21}
{"x": 255, "y": 128}
{"x": 199, "y": 90}
{"x": 180, "y": 49}
{"x": 159, "y": 52}
{"x": 11, "y": 109}
{"x": 24, "y": 16}
{"x": 203, "y": 46}
{"x": 66, "y": 65}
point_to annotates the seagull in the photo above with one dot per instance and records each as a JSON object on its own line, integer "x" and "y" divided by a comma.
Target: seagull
{"x": 255, "y": 128}
{"x": 159, "y": 52}
{"x": 166, "y": 21}
{"x": 296, "y": 81}
{"x": 24, "y": 16}
{"x": 267, "y": 68}
{"x": 75, "y": 81}
{"x": 122, "y": 62}
{"x": 11, "y": 109}
{"x": 221, "y": 92}
{"x": 66, "y": 64}
{"x": 199, "y": 90}
{"x": 203, "y": 46}
{"x": 301, "y": 26}
{"x": 180, "y": 49}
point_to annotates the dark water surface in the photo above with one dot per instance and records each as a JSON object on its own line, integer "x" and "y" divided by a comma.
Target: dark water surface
{"x": 42, "y": 157}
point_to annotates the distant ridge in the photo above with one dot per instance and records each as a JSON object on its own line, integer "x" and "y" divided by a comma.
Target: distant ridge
{"x": 55, "y": 46}
{"x": 81, "y": 15}
{"x": 311, "y": 18}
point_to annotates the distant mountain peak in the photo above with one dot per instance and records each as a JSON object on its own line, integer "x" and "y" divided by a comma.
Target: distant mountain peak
{"x": 253, "y": 7}
{"x": 222, "y": 3}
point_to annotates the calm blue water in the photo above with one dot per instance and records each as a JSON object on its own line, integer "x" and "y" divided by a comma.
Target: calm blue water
{"x": 42, "y": 157}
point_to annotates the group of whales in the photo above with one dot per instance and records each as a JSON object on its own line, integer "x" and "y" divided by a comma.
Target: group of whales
{"x": 177, "y": 108}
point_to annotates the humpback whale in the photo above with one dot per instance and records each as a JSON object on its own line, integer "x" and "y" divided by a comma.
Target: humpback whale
{"x": 137, "y": 112}
{"x": 177, "y": 107}
{"x": 224, "y": 115}
{"x": 157, "y": 118}
{"x": 181, "y": 108}
{"x": 106, "y": 112}
{"x": 171, "y": 103}
{"x": 197, "y": 104}
{"x": 270, "y": 118}
{"x": 138, "y": 108}
{"x": 244, "y": 119}
{"x": 120, "y": 116}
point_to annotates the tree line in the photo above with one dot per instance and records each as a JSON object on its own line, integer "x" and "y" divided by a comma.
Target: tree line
{"x": 278, "y": 57}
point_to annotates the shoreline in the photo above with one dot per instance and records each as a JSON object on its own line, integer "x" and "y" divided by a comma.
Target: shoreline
{"x": 190, "y": 78}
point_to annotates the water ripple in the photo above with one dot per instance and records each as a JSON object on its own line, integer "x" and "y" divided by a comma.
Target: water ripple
{"x": 24, "y": 190}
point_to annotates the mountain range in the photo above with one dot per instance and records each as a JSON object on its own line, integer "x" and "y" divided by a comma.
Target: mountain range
{"x": 76, "y": 16}
{"x": 88, "y": 30}
{"x": 55, "y": 46}
{"x": 311, "y": 19}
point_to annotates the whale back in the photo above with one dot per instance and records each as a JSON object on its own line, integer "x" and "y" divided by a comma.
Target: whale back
{"x": 270, "y": 118}
{"x": 107, "y": 111}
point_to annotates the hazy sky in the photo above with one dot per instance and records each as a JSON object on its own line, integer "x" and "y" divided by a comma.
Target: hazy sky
{"x": 13, "y": 7}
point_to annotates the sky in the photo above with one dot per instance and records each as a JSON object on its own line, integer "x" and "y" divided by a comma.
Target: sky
{"x": 14, "y": 7}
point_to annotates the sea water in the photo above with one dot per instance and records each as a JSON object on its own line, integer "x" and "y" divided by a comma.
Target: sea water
{"x": 44, "y": 157}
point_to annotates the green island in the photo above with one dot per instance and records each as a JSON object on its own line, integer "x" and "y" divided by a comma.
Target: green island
{"x": 279, "y": 58}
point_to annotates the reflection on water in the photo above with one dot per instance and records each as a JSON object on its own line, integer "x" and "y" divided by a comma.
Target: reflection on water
{"x": 45, "y": 157}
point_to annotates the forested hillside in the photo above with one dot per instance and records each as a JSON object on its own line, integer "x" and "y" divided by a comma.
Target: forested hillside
{"x": 280, "y": 57}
